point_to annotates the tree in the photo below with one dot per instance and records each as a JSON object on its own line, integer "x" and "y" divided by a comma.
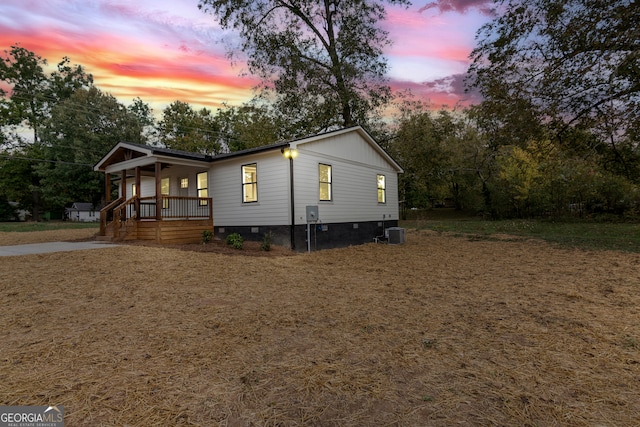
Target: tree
{"x": 17, "y": 177}
{"x": 29, "y": 102}
{"x": 144, "y": 113}
{"x": 66, "y": 80}
{"x": 439, "y": 154}
{"x": 250, "y": 125}
{"x": 183, "y": 128}
{"x": 323, "y": 59}
{"x": 24, "y": 71}
{"x": 33, "y": 93}
{"x": 567, "y": 63}
{"x": 81, "y": 130}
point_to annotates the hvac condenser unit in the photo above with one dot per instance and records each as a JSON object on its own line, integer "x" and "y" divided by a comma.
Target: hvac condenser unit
{"x": 395, "y": 235}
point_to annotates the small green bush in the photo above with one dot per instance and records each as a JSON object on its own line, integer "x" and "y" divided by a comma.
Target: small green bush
{"x": 235, "y": 240}
{"x": 265, "y": 245}
{"x": 207, "y": 235}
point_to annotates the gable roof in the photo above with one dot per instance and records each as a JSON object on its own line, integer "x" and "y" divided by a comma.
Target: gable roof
{"x": 363, "y": 133}
{"x": 132, "y": 152}
{"x": 127, "y": 151}
{"x": 80, "y": 206}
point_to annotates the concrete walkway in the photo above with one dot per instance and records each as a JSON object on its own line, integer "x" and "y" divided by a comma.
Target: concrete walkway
{"x": 43, "y": 248}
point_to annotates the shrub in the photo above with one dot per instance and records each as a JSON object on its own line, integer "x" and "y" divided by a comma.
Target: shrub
{"x": 207, "y": 235}
{"x": 235, "y": 240}
{"x": 266, "y": 241}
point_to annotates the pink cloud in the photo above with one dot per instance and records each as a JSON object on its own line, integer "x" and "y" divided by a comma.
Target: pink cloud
{"x": 460, "y": 6}
{"x": 448, "y": 92}
{"x": 167, "y": 50}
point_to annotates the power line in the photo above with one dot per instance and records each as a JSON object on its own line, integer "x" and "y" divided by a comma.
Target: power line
{"x": 11, "y": 157}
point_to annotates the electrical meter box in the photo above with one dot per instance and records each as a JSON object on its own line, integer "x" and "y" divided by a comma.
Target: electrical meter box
{"x": 312, "y": 213}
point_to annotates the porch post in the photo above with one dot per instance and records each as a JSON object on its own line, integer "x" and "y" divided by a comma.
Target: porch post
{"x": 107, "y": 187}
{"x": 137, "y": 201}
{"x": 158, "y": 173}
{"x": 123, "y": 183}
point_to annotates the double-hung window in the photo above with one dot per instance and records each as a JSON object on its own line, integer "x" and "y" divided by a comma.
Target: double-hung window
{"x": 164, "y": 190}
{"x": 250, "y": 183}
{"x": 325, "y": 182}
{"x": 203, "y": 187}
{"x": 382, "y": 189}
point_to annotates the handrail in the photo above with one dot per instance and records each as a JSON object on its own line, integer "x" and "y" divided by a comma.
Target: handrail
{"x": 123, "y": 215}
{"x": 104, "y": 214}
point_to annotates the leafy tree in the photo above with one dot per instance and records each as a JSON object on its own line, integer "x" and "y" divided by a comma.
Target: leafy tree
{"x": 33, "y": 93}
{"x": 439, "y": 153}
{"x": 565, "y": 63}
{"x": 250, "y": 125}
{"x": 144, "y": 113}
{"x": 323, "y": 59}
{"x": 17, "y": 178}
{"x": 28, "y": 103}
{"x": 66, "y": 80}
{"x": 520, "y": 173}
{"x": 24, "y": 71}
{"x": 183, "y": 128}
{"x": 82, "y": 129}
{"x": 422, "y": 149}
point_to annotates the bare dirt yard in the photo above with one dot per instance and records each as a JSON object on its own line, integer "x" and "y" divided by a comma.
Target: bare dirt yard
{"x": 440, "y": 331}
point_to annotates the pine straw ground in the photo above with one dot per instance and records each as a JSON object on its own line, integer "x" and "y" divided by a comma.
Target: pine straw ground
{"x": 440, "y": 331}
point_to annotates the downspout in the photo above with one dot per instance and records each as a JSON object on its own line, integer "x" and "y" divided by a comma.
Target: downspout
{"x": 290, "y": 153}
{"x": 293, "y": 215}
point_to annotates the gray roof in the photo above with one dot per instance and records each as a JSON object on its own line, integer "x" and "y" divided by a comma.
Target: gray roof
{"x": 83, "y": 207}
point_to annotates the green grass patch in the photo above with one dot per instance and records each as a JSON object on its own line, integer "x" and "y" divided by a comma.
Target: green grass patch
{"x": 43, "y": 226}
{"x": 620, "y": 236}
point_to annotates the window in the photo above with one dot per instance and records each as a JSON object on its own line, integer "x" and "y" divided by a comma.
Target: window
{"x": 324, "y": 173}
{"x": 184, "y": 182}
{"x": 203, "y": 187}
{"x": 164, "y": 190}
{"x": 250, "y": 183}
{"x": 134, "y": 190}
{"x": 382, "y": 189}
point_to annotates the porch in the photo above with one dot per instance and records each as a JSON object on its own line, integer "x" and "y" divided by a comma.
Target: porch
{"x": 163, "y": 195}
{"x": 164, "y": 219}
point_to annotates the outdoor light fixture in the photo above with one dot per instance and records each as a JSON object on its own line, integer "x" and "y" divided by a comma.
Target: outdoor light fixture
{"x": 291, "y": 153}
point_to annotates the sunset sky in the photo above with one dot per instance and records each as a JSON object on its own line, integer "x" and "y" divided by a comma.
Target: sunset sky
{"x": 167, "y": 50}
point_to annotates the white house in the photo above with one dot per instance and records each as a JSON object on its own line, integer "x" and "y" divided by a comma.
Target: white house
{"x": 82, "y": 212}
{"x": 343, "y": 178}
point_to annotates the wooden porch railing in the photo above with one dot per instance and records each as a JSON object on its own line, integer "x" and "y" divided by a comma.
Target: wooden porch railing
{"x": 174, "y": 207}
{"x": 106, "y": 214}
{"x": 122, "y": 213}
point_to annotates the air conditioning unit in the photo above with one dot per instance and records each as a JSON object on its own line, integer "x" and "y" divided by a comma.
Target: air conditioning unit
{"x": 395, "y": 235}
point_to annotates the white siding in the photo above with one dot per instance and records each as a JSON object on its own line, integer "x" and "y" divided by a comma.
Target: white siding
{"x": 272, "y": 207}
{"x": 348, "y": 147}
{"x": 174, "y": 173}
{"x": 147, "y": 184}
{"x": 355, "y": 164}
{"x": 354, "y": 161}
